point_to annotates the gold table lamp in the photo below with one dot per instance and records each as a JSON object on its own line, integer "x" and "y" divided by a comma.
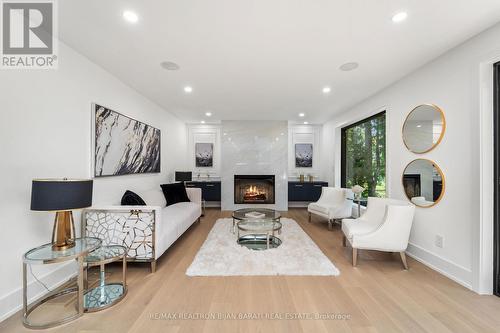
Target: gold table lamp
{"x": 61, "y": 196}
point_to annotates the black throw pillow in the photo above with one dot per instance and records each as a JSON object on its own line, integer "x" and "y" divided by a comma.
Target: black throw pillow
{"x": 174, "y": 193}
{"x": 132, "y": 199}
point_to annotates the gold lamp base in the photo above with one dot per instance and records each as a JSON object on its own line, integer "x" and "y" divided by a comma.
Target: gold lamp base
{"x": 63, "y": 234}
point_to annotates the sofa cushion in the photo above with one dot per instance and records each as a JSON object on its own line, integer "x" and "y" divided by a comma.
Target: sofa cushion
{"x": 174, "y": 193}
{"x": 175, "y": 219}
{"x": 154, "y": 197}
{"x": 130, "y": 198}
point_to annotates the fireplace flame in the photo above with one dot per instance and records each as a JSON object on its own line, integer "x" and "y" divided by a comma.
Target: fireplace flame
{"x": 253, "y": 192}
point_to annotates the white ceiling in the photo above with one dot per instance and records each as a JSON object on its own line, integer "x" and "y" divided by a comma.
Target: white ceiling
{"x": 266, "y": 59}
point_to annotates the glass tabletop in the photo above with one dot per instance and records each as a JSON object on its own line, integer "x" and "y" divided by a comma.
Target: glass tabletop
{"x": 45, "y": 255}
{"x": 105, "y": 254}
{"x": 259, "y": 225}
{"x": 242, "y": 214}
{"x": 358, "y": 199}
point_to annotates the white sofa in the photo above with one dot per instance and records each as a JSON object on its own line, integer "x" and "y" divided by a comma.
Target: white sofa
{"x": 385, "y": 226}
{"x": 146, "y": 231}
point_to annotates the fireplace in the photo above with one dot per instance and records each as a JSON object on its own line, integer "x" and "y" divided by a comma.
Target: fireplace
{"x": 254, "y": 189}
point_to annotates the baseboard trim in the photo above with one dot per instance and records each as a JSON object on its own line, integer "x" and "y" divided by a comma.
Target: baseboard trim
{"x": 13, "y": 302}
{"x": 457, "y": 273}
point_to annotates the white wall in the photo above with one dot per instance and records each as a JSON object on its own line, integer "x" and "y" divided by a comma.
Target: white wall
{"x": 451, "y": 82}
{"x": 45, "y": 131}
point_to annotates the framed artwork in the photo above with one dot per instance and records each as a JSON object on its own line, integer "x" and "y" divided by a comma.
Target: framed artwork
{"x": 122, "y": 145}
{"x": 303, "y": 155}
{"x": 204, "y": 155}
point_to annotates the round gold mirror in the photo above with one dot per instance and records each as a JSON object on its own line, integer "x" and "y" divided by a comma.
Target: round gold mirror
{"x": 424, "y": 128}
{"x": 423, "y": 183}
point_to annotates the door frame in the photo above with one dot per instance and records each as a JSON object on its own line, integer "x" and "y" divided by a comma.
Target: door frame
{"x": 482, "y": 233}
{"x": 496, "y": 171}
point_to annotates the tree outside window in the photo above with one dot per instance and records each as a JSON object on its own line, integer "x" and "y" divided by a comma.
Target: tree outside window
{"x": 363, "y": 156}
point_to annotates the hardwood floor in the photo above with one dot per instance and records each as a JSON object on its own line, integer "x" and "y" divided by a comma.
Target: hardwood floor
{"x": 377, "y": 295}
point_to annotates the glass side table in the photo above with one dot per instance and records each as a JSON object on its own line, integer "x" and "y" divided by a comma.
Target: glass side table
{"x": 105, "y": 294}
{"x": 359, "y": 201}
{"x": 43, "y": 255}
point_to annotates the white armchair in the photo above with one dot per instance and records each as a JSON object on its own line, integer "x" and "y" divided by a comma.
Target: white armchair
{"x": 334, "y": 204}
{"x": 385, "y": 226}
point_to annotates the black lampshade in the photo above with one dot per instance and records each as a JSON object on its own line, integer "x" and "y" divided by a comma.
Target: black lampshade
{"x": 183, "y": 176}
{"x": 60, "y": 194}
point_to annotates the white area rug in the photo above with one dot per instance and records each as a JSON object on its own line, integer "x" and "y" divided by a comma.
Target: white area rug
{"x": 220, "y": 255}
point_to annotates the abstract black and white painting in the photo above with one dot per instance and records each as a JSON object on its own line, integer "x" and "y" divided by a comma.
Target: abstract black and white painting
{"x": 124, "y": 145}
{"x": 303, "y": 155}
{"x": 204, "y": 153}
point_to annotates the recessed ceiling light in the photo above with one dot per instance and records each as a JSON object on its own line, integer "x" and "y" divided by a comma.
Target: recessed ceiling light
{"x": 418, "y": 126}
{"x": 169, "y": 65}
{"x": 203, "y": 121}
{"x": 301, "y": 115}
{"x": 188, "y": 89}
{"x": 130, "y": 16}
{"x": 399, "y": 17}
{"x": 349, "y": 66}
{"x": 208, "y": 114}
{"x": 326, "y": 90}
{"x": 282, "y": 133}
{"x": 306, "y": 122}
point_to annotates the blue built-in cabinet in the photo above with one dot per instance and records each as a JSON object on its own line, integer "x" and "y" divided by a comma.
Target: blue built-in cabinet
{"x": 305, "y": 191}
{"x": 210, "y": 190}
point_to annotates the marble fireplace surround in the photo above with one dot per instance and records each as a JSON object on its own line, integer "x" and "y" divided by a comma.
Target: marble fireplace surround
{"x": 254, "y": 148}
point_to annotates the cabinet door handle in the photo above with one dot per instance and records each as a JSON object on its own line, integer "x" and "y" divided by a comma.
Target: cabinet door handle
{"x": 318, "y": 185}
{"x": 299, "y": 185}
{"x": 210, "y": 185}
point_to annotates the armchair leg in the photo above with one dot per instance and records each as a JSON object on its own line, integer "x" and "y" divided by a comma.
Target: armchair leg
{"x": 344, "y": 241}
{"x": 153, "y": 266}
{"x": 403, "y": 259}
{"x": 354, "y": 257}
{"x": 330, "y": 224}
{"x": 309, "y": 217}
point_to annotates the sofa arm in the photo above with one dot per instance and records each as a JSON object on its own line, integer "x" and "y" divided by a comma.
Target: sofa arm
{"x": 194, "y": 194}
{"x": 133, "y": 227}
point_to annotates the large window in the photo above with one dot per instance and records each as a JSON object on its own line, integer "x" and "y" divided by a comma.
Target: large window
{"x": 363, "y": 155}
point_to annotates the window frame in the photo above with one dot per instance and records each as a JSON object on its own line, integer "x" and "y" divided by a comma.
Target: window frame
{"x": 343, "y": 149}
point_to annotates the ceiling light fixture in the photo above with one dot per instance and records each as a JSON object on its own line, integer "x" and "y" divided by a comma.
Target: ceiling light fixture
{"x": 326, "y": 90}
{"x": 399, "y": 17}
{"x": 349, "y": 66}
{"x": 188, "y": 89}
{"x": 169, "y": 65}
{"x": 208, "y": 114}
{"x": 130, "y": 16}
{"x": 301, "y": 115}
{"x": 203, "y": 121}
{"x": 306, "y": 123}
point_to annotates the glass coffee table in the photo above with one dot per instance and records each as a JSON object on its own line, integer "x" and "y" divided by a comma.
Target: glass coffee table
{"x": 260, "y": 233}
{"x": 242, "y": 214}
